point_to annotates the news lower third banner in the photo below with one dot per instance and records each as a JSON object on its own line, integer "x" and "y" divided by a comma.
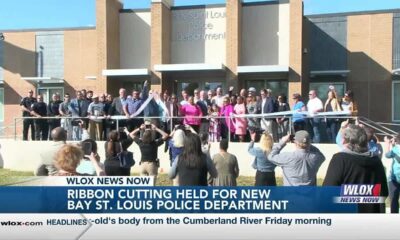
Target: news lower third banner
{"x": 124, "y": 195}
{"x": 131, "y": 207}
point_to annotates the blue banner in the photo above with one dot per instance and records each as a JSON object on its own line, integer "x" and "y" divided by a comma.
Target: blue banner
{"x": 172, "y": 200}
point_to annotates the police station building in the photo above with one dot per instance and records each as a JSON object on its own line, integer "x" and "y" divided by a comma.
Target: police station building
{"x": 268, "y": 44}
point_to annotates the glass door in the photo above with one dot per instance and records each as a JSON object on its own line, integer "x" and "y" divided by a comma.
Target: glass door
{"x": 47, "y": 93}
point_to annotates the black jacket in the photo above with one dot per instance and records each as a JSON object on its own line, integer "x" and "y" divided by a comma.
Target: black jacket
{"x": 352, "y": 168}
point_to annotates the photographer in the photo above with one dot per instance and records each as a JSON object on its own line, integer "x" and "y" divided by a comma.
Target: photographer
{"x": 89, "y": 147}
{"x": 299, "y": 167}
{"x": 149, "y": 148}
{"x": 68, "y": 158}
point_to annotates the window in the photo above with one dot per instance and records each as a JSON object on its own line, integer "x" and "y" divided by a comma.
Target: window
{"x": 277, "y": 87}
{"x": 1, "y": 104}
{"x": 190, "y": 86}
{"x": 48, "y": 92}
{"x": 323, "y": 88}
{"x": 396, "y": 101}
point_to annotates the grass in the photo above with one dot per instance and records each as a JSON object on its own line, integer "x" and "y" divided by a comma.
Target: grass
{"x": 9, "y": 177}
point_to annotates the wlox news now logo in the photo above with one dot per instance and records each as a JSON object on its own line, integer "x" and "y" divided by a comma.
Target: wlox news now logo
{"x": 360, "y": 193}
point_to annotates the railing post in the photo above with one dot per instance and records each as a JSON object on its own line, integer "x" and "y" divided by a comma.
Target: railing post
{"x": 229, "y": 128}
{"x": 15, "y": 129}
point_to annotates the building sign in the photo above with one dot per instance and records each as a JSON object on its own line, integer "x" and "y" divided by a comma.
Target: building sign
{"x": 200, "y": 32}
{"x": 199, "y": 24}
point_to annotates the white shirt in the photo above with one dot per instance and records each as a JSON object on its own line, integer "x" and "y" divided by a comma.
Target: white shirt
{"x": 219, "y": 100}
{"x": 264, "y": 100}
{"x": 314, "y": 105}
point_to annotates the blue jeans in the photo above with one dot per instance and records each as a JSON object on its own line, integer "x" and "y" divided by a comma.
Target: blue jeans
{"x": 332, "y": 129}
{"x": 394, "y": 190}
{"x": 316, "y": 125}
{"x": 76, "y": 133}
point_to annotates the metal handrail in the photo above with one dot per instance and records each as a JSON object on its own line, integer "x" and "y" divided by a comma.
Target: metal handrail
{"x": 377, "y": 126}
{"x": 389, "y": 124}
{"x": 14, "y": 126}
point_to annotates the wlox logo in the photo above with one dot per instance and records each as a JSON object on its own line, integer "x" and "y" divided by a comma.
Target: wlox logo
{"x": 360, "y": 193}
{"x": 360, "y": 190}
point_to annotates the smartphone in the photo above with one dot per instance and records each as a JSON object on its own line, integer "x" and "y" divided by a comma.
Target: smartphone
{"x": 87, "y": 148}
{"x": 291, "y": 138}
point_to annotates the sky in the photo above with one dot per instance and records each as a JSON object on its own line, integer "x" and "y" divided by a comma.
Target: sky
{"x": 28, "y": 14}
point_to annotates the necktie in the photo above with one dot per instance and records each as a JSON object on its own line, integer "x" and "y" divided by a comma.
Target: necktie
{"x": 79, "y": 107}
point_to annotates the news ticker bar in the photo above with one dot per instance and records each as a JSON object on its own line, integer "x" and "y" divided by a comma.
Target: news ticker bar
{"x": 198, "y": 226}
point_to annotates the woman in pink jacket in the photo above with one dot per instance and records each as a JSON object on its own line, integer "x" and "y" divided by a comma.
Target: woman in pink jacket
{"x": 192, "y": 112}
{"x": 240, "y": 123}
{"x": 227, "y": 126}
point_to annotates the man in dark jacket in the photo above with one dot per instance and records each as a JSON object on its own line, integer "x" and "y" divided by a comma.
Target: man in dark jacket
{"x": 39, "y": 110}
{"x": 357, "y": 165}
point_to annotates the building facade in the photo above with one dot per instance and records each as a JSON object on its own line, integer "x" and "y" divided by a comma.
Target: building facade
{"x": 267, "y": 44}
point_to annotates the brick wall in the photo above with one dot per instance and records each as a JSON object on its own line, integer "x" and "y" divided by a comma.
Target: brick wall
{"x": 296, "y": 47}
{"x": 233, "y": 41}
{"x": 370, "y": 62}
{"x": 160, "y": 43}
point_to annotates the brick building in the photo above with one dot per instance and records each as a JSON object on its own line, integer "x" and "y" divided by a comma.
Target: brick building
{"x": 267, "y": 44}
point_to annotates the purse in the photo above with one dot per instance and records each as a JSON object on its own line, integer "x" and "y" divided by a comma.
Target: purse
{"x": 126, "y": 159}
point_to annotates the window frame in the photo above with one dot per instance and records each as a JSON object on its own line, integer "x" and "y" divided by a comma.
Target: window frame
{"x": 265, "y": 82}
{"x": 2, "y": 100}
{"x": 44, "y": 87}
{"x": 328, "y": 83}
{"x": 393, "y": 107}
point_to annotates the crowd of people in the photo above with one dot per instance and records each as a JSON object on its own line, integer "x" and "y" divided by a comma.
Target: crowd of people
{"x": 358, "y": 162}
{"x": 206, "y": 117}
{"x": 219, "y": 115}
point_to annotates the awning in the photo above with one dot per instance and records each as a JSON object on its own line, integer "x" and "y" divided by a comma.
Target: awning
{"x": 396, "y": 71}
{"x": 263, "y": 69}
{"x": 126, "y": 72}
{"x": 342, "y": 73}
{"x": 188, "y": 67}
{"x": 43, "y": 80}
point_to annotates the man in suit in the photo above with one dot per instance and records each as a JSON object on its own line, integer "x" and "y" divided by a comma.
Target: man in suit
{"x": 268, "y": 106}
{"x": 203, "y": 102}
{"x": 117, "y": 107}
{"x": 78, "y": 108}
{"x": 173, "y": 108}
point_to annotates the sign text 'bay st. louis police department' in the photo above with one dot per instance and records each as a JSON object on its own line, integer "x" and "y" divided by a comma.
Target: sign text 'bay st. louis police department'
{"x": 172, "y": 199}
{"x": 199, "y": 24}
